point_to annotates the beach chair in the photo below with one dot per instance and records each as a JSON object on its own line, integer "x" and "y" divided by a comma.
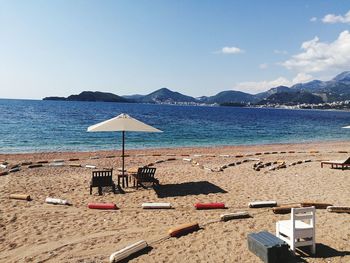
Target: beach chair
{"x": 101, "y": 179}
{"x": 337, "y": 164}
{"x": 145, "y": 175}
{"x": 296, "y": 232}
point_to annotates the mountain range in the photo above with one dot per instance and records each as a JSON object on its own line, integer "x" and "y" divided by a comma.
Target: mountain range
{"x": 315, "y": 91}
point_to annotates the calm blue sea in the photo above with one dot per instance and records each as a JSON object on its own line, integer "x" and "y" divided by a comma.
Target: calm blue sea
{"x": 33, "y": 125}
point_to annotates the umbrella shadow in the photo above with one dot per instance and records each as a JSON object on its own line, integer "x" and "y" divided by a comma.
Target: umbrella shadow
{"x": 184, "y": 189}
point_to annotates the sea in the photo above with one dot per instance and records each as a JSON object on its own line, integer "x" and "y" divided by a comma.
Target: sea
{"x": 47, "y": 126}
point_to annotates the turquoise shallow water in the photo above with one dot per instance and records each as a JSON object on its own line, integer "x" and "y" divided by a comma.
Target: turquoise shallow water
{"x": 32, "y": 126}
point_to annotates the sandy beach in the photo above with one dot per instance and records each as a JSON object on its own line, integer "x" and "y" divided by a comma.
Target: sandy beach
{"x": 33, "y": 231}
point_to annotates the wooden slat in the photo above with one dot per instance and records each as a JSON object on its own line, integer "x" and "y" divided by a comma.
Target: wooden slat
{"x": 303, "y": 217}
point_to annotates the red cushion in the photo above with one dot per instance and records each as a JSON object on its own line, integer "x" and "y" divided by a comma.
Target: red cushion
{"x": 102, "y": 206}
{"x": 209, "y": 205}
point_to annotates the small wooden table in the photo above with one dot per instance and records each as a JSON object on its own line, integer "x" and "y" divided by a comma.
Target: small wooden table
{"x": 132, "y": 171}
{"x": 123, "y": 178}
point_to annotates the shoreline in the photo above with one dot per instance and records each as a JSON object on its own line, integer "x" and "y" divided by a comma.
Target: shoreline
{"x": 175, "y": 148}
{"x": 283, "y": 107}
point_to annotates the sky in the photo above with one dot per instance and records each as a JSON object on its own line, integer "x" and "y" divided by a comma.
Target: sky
{"x": 59, "y": 48}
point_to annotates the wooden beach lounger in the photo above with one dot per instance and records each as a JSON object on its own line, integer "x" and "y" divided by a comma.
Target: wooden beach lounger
{"x": 337, "y": 164}
{"x": 101, "y": 179}
{"x": 145, "y": 175}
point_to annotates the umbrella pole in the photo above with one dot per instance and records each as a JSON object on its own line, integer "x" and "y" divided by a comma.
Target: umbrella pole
{"x": 123, "y": 148}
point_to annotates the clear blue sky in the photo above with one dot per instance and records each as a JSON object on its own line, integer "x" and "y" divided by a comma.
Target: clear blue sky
{"x": 194, "y": 47}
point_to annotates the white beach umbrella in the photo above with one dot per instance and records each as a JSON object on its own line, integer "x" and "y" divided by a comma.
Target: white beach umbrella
{"x": 123, "y": 123}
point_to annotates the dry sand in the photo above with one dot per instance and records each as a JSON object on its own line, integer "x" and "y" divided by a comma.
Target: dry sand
{"x": 38, "y": 232}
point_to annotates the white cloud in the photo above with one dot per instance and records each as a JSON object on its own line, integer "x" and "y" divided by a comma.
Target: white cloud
{"x": 231, "y": 50}
{"x": 315, "y": 57}
{"x": 313, "y": 19}
{"x": 301, "y": 78}
{"x": 261, "y": 86}
{"x": 320, "y": 56}
{"x": 282, "y": 52}
{"x": 333, "y": 19}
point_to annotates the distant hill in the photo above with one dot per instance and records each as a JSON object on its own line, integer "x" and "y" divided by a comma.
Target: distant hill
{"x": 230, "y": 96}
{"x": 343, "y": 77}
{"x": 91, "y": 96}
{"x": 165, "y": 95}
{"x": 97, "y": 96}
{"x": 312, "y": 86}
{"x": 279, "y": 89}
{"x": 292, "y": 98}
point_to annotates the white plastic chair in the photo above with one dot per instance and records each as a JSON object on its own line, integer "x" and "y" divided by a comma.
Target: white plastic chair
{"x": 296, "y": 232}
